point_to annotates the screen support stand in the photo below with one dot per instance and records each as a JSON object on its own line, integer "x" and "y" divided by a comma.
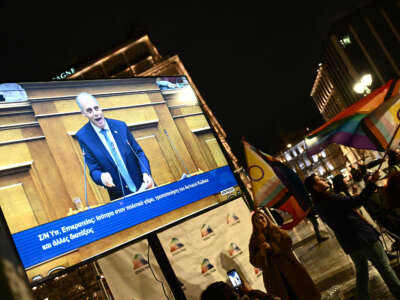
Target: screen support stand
{"x": 165, "y": 266}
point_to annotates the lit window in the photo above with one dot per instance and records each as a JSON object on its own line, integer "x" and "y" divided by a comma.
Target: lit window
{"x": 345, "y": 41}
{"x": 294, "y": 153}
{"x": 301, "y": 165}
{"x": 323, "y": 154}
{"x": 330, "y": 167}
{"x": 315, "y": 158}
{"x": 307, "y": 161}
{"x": 287, "y": 156}
{"x": 321, "y": 171}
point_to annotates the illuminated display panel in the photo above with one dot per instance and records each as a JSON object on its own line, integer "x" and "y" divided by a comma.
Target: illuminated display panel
{"x": 58, "y": 211}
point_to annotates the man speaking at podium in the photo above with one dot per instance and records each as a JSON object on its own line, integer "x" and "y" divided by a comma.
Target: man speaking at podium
{"x": 114, "y": 158}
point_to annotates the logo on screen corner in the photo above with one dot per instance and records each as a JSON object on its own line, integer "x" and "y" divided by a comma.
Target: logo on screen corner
{"x": 206, "y": 267}
{"x": 175, "y": 246}
{"x": 234, "y": 250}
{"x": 139, "y": 263}
{"x": 232, "y": 219}
{"x": 206, "y": 232}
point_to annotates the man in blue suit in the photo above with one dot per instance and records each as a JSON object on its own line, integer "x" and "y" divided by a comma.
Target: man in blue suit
{"x": 114, "y": 158}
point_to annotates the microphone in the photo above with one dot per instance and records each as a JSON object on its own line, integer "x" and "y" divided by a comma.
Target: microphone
{"x": 140, "y": 162}
{"x": 84, "y": 176}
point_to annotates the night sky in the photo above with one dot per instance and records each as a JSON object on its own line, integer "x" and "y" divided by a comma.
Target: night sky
{"x": 254, "y": 62}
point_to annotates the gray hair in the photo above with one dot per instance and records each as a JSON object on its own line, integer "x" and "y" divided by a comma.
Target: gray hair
{"x": 83, "y": 96}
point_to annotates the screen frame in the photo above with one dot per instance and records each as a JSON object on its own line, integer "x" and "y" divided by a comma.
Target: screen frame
{"x": 243, "y": 193}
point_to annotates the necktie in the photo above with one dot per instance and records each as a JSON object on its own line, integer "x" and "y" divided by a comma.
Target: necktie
{"x": 120, "y": 164}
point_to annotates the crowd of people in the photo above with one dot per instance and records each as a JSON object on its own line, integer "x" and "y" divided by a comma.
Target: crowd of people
{"x": 337, "y": 204}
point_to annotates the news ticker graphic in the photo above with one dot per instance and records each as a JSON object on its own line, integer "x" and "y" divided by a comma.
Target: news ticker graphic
{"x": 47, "y": 241}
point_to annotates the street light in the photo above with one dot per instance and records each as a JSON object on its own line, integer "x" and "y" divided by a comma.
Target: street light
{"x": 366, "y": 80}
{"x": 362, "y": 86}
{"x": 289, "y": 145}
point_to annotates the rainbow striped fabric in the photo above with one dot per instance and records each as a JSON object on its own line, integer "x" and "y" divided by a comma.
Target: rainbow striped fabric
{"x": 360, "y": 125}
{"x": 382, "y": 123}
{"x": 275, "y": 184}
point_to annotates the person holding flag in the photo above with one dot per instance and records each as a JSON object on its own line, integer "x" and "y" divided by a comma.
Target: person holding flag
{"x": 356, "y": 236}
{"x": 270, "y": 249}
{"x": 275, "y": 185}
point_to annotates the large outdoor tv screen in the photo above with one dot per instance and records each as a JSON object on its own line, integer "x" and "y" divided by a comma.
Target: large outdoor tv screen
{"x": 87, "y": 166}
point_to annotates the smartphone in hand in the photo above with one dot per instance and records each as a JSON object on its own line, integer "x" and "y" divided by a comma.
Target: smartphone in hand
{"x": 234, "y": 277}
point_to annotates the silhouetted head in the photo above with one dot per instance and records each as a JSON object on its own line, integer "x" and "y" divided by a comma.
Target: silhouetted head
{"x": 219, "y": 291}
{"x": 394, "y": 157}
{"x": 339, "y": 184}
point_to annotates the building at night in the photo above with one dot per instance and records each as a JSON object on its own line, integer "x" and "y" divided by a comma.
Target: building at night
{"x": 360, "y": 53}
{"x": 326, "y": 163}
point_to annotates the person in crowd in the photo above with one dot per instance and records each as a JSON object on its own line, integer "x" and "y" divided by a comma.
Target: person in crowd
{"x": 271, "y": 250}
{"x": 392, "y": 190}
{"x": 393, "y": 160}
{"x": 357, "y": 237}
{"x": 340, "y": 185}
{"x": 312, "y": 215}
{"x": 114, "y": 158}
{"x": 222, "y": 291}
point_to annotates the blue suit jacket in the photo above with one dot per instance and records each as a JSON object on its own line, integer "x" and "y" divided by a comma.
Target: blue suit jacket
{"x": 99, "y": 160}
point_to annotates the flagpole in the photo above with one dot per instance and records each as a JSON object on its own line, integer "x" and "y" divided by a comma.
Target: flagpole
{"x": 391, "y": 141}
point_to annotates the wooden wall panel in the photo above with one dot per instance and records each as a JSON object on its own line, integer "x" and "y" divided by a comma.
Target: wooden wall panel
{"x": 55, "y": 197}
{"x": 202, "y": 137}
{"x": 174, "y": 141}
{"x": 69, "y": 167}
{"x": 133, "y": 115}
{"x": 185, "y": 110}
{"x": 10, "y": 135}
{"x": 17, "y": 119}
{"x": 20, "y": 154}
{"x": 192, "y": 145}
{"x": 73, "y": 123}
{"x": 70, "y": 105}
{"x": 216, "y": 152}
{"x": 16, "y": 208}
{"x": 197, "y": 122}
{"x": 160, "y": 170}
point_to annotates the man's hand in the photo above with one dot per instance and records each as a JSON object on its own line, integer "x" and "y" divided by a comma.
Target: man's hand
{"x": 148, "y": 181}
{"x": 107, "y": 180}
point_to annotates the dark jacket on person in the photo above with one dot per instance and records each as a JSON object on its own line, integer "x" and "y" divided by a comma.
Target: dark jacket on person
{"x": 351, "y": 230}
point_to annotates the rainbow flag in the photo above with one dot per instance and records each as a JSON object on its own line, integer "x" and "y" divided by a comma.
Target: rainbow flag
{"x": 275, "y": 184}
{"x": 382, "y": 123}
{"x": 347, "y": 128}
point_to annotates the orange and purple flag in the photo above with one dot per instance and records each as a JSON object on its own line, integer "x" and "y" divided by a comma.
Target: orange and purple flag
{"x": 275, "y": 184}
